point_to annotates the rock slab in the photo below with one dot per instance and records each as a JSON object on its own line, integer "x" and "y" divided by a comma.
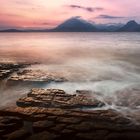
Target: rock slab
{"x": 52, "y": 114}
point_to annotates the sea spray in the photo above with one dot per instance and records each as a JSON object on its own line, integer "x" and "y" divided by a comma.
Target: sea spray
{"x": 106, "y": 63}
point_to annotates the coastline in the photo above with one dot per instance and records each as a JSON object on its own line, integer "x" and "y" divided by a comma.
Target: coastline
{"x": 55, "y": 114}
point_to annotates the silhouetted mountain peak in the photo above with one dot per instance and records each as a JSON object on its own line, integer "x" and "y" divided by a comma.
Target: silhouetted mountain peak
{"x": 77, "y": 25}
{"x": 72, "y": 21}
{"x": 132, "y": 23}
{"x": 131, "y": 26}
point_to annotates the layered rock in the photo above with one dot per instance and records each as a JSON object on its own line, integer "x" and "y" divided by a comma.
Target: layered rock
{"x": 7, "y": 69}
{"x": 36, "y": 76}
{"x": 52, "y": 114}
{"x": 71, "y": 124}
{"x": 55, "y": 98}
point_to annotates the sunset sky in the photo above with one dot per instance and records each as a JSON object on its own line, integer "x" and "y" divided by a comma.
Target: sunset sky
{"x": 49, "y": 13}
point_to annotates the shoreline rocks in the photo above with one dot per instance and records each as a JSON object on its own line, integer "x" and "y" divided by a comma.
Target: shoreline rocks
{"x": 52, "y": 114}
{"x": 6, "y": 69}
{"x": 36, "y": 76}
{"x": 55, "y": 98}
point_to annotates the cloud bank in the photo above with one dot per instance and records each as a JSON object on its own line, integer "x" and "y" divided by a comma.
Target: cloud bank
{"x": 109, "y": 17}
{"x": 88, "y": 9}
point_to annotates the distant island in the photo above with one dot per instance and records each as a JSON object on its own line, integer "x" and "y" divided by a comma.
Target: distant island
{"x": 80, "y": 25}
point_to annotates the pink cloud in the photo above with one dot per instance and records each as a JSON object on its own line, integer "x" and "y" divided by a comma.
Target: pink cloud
{"x": 35, "y": 13}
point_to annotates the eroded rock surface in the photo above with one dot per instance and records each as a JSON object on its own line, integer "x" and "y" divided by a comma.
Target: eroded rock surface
{"x": 36, "y": 76}
{"x": 58, "y": 99}
{"x": 53, "y": 114}
{"x": 9, "y": 68}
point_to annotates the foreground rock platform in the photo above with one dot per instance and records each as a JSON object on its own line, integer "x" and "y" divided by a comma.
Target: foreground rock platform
{"x": 56, "y": 98}
{"x": 53, "y": 114}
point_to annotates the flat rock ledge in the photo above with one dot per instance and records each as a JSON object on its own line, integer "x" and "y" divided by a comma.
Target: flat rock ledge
{"x": 29, "y": 75}
{"x": 6, "y": 69}
{"x": 56, "y": 98}
{"x": 52, "y": 114}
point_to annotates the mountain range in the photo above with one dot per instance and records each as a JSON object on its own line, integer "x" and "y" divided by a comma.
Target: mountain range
{"x": 80, "y": 25}
{"x": 131, "y": 26}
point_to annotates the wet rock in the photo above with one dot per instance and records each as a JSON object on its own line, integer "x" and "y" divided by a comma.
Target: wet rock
{"x": 9, "y": 119}
{"x": 36, "y": 76}
{"x": 35, "y": 92}
{"x": 95, "y": 135}
{"x": 83, "y": 92}
{"x": 58, "y": 128}
{"x": 26, "y": 102}
{"x": 5, "y": 73}
{"x": 82, "y": 127}
{"x": 52, "y": 118}
{"x": 9, "y": 124}
{"x": 67, "y": 132}
{"x": 6, "y": 69}
{"x": 89, "y": 136}
{"x": 43, "y": 136}
{"x": 18, "y": 134}
{"x": 54, "y": 114}
{"x": 8, "y": 66}
{"x": 70, "y": 120}
{"x": 123, "y": 136}
{"x": 40, "y": 126}
{"x": 57, "y": 98}
{"x": 74, "y": 124}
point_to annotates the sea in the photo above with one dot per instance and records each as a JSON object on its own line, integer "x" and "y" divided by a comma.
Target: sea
{"x": 106, "y": 63}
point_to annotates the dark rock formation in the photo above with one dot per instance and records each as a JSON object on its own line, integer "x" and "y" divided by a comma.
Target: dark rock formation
{"x": 64, "y": 116}
{"x": 7, "y": 69}
{"x": 55, "y": 98}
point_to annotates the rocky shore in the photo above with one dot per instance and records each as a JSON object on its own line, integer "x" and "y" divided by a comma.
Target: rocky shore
{"x": 6, "y": 69}
{"x": 36, "y": 76}
{"x": 53, "y": 114}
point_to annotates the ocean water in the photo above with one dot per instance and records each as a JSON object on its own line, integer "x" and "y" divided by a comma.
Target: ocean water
{"x": 106, "y": 63}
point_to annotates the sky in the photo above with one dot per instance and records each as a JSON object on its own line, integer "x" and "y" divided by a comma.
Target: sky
{"x": 50, "y": 13}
